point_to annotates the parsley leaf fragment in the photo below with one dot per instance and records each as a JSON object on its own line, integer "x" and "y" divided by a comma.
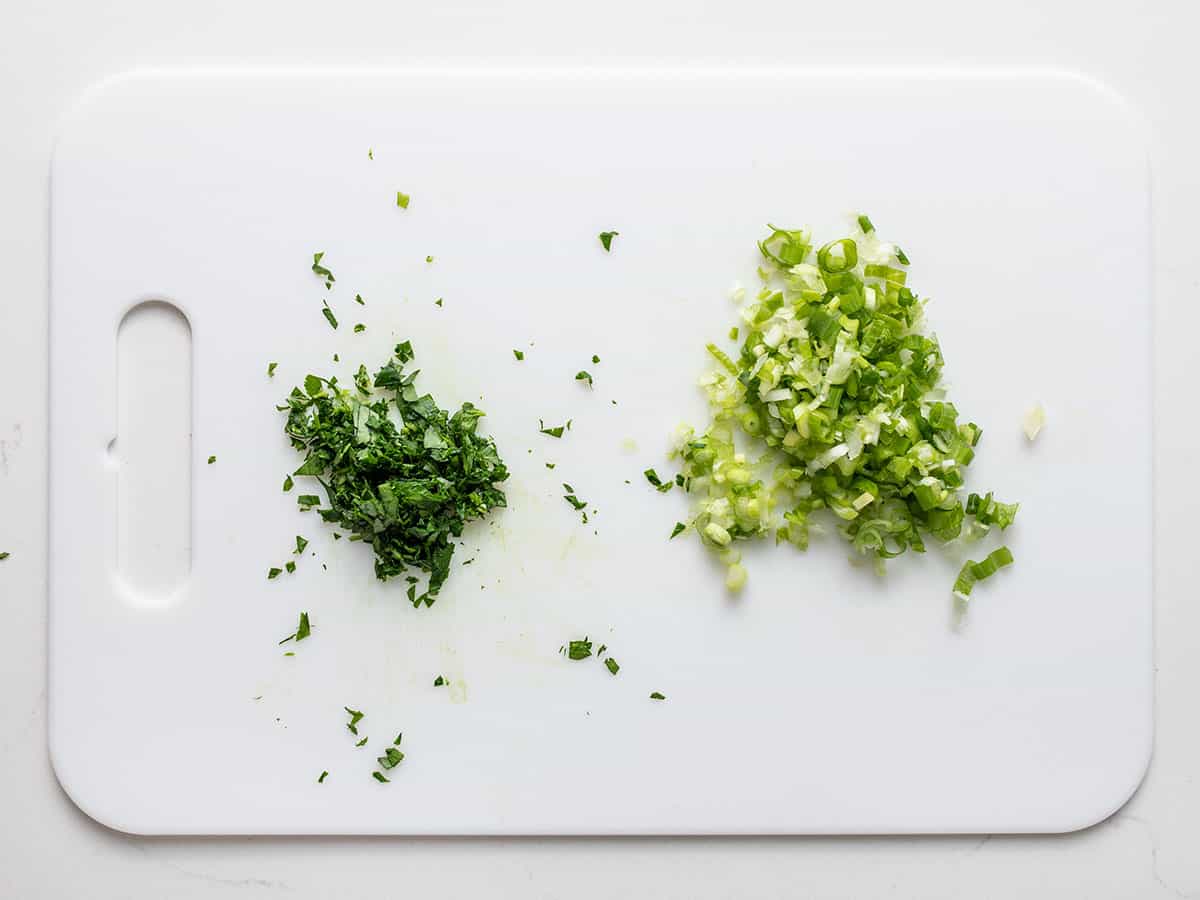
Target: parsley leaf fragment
{"x": 584, "y": 376}
{"x": 606, "y": 239}
{"x": 321, "y": 271}
{"x": 657, "y": 696}
{"x": 578, "y": 650}
{"x": 555, "y": 432}
{"x": 679, "y": 529}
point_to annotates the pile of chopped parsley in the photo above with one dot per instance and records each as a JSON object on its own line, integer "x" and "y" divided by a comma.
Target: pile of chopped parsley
{"x": 398, "y": 471}
{"x": 833, "y": 402}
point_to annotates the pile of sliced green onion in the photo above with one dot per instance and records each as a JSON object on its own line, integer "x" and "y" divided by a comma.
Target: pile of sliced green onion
{"x": 833, "y": 403}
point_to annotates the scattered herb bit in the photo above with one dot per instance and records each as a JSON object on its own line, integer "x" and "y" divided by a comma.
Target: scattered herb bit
{"x": 289, "y": 653}
{"x": 304, "y": 629}
{"x": 657, "y": 696}
{"x": 402, "y": 199}
{"x": 355, "y": 718}
{"x": 584, "y": 376}
{"x": 407, "y": 489}
{"x": 379, "y": 776}
{"x": 612, "y": 665}
{"x": 290, "y": 566}
{"x": 211, "y": 460}
{"x": 579, "y": 649}
{"x": 595, "y": 360}
{"x": 901, "y": 257}
{"x": 573, "y": 500}
{"x": 865, "y": 224}
{"x": 308, "y": 501}
{"x": 273, "y": 573}
{"x": 600, "y": 650}
{"x": 733, "y": 333}
{"x": 439, "y": 681}
{"x": 679, "y": 529}
{"x": 336, "y": 358}
{"x": 398, "y": 737}
{"x": 972, "y": 571}
{"x": 288, "y": 484}
{"x": 5, "y": 554}
{"x": 360, "y": 328}
{"x": 550, "y": 465}
{"x": 845, "y": 413}
{"x": 437, "y": 302}
{"x": 361, "y": 743}
{"x": 606, "y": 238}
{"x": 555, "y": 432}
{"x": 329, "y": 316}
{"x": 359, "y": 300}
{"x": 519, "y": 355}
{"x": 301, "y": 543}
{"x": 271, "y": 367}
{"x": 390, "y": 759}
{"x": 569, "y": 421}
{"x": 324, "y": 775}
{"x": 429, "y": 259}
{"x": 321, "y": 271}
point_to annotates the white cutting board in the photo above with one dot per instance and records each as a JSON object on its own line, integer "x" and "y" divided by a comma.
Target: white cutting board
{"x": 824, "y": 699}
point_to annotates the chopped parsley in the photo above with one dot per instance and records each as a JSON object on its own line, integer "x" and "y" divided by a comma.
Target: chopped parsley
{"x": 439, "y": 681}
{"x": 360, "y": 328}
{"x": 612, "y": 665}
{"x": 572, "y": 499}
{"x": 402, "y": 199}
{"x": 657, "y": 696}
{"x": 361, "y": 743}
{"x": 550, "y": 465}
{"x": 308, "y": 501}
{"x": 5, "y": 554}
{"x": 555, "y": 432}
{"x": 359, "y": 300}
{"x": 606, "y": 239}
{"x": 324, "y": 775}
{"x": 290, "y": 566}
{"x": 519, "y": 355}
{"x": 579, "y": 649}
{"x": 302, "y": 631}
{"x": 288, "y": 484}
{"x": 407, "y": 489}
{"x": 271, "y": 367}
{"x": 321, "y": 271}
{"x": 584, "y": 376}
{"x": 390, "y": 759}
{"x": 679, "y": 529}
{"x": 379, "y": 776}
{"x": 301, "y": 543}
{"x": 329, "y": 316}
{"x": 355, "y": 717}
{"x": 211, "y": 460}
{"x": 273, "y": 573}
{"x": 429, "y": 259}
{"x": 595, "y": 360}
{"x": 437, "y": 302}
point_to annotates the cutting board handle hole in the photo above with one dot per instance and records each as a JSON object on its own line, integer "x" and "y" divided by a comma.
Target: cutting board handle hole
{"x": 152, "y": 452}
